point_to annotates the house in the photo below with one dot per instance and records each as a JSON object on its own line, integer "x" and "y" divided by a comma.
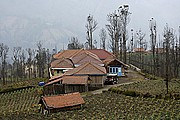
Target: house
{"x": 78, "y": 56}
{"x": 67, "y": 84}
{"x": 138, "y": 50}
{"x": 60, "y": 66}
{"x": 56, "y": 103}
{"x": 96, "y": 73}
{"x": 115, "y": 67}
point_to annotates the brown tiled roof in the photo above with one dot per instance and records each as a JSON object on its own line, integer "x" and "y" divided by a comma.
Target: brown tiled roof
{"x": 102, "y": 54}
{"x": 53, "y": 81}
{"x": 65, "y": 54}
{"x": 61, "y": 101}
{"x": 55, "y": 77}
{"x": 87, "y": 69}
{"x": 107, "y": 61}
{"x": 86, "y": 56}
{"x": 62, "y": 63}
{"x": 69, "y": 80}
{"x": 139, "y": 50}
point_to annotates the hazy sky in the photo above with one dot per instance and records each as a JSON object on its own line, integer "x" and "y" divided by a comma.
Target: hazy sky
{"x": 71, "y": 14}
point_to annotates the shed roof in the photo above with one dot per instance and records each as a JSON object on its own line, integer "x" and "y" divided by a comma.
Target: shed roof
{"x": 70, "y": 80}
{"x": 55, "y": 77}
{"x": 61, "y": 101}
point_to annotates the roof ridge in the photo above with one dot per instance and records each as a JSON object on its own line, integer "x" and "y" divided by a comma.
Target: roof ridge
{"x": 81, "y": 59}
{"x": 97, "y": 67}
{"x": 83, "y": 66}
{"x": 60, "y": 53}
{"x": 76, "y": 53}
{"x": 93, "y": 55}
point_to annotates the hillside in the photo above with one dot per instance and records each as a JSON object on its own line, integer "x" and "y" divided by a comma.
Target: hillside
{"x": 23, "y": 103}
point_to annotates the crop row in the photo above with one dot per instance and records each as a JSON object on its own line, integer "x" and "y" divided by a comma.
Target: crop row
{"x": 21, "y": 100}
{"x": 154, "y": 87}
{"x": 110, "y": 105}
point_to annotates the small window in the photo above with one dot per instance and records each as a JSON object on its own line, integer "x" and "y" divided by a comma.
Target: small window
{"x": 116, "y": 70}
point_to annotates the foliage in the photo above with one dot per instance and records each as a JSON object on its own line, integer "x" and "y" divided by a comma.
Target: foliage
{"x": 74, "y": 44}
{"x": 90, "y": 27}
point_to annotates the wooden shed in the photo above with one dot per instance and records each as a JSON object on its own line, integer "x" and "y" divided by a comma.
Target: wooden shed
{"x": 67, "y": 84}
{"x": 51, "y": 104}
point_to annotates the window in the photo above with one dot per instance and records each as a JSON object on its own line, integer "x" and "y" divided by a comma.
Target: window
{"x": 113, "y": 69}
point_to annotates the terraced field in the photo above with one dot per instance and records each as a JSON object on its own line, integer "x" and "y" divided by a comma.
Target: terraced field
{"x": 107, "y": 105}
{"x": 17, "y": 101}
{"x": 153, "y": 87}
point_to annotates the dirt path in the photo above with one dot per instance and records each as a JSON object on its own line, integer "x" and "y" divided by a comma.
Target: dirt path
{"x": 132, "y": 76}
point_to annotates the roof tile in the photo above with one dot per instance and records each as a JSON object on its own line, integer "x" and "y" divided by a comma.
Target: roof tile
{"x": 65, "y": 100}
{"x": 102, "y": 54}
{"x": 62, "y": 63}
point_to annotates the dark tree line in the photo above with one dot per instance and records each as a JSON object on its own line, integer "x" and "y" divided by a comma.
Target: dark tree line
{"x": 26, "y": 64}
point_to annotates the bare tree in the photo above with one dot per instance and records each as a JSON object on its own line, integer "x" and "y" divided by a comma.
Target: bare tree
{"x": 49, "y": 59}
{"x": 140, "y": 40}
{"x": 114, "y": 28}
{"x": 42, "y": 59}
{"x": 152, "y": 26}
{"x": 124, "y": 18}
{"x": 29, "y": 61}
{"x": 22, "y": 64}
{"x": 103, "y": 37}
{"x": 3, "y": 54}
{"x": 15, "y": 58}
{"x": 117, "y": 30}
{"x": 91, "y": 27}
{"x": 168, "y": 39}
